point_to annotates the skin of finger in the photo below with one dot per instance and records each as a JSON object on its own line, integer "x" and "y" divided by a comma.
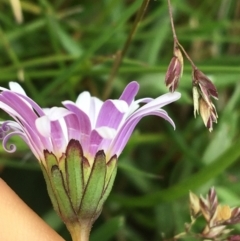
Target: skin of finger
{"x": 18, "y": 222}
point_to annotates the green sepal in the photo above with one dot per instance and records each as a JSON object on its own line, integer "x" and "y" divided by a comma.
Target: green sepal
{"x": 76, "y": 188}
{"x": 86, "y": 171}
{"x": 94, "y": 188}
{"x": 51, "y": 160}
{"x": 66, "y": 209}
{"x": 110, "y": 168}
{"x": 74, "y": 156}
{"x": 108, "y": 185}
{"x": 50, "y": 190}
{"x": 62, "y": 168}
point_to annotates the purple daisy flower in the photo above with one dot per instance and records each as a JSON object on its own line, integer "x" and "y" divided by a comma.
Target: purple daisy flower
{"x": 78, "y": 145}
{"x": 97, "y": 125}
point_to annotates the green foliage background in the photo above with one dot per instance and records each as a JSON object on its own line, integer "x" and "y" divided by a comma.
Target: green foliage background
{"x": 65, "y": 47}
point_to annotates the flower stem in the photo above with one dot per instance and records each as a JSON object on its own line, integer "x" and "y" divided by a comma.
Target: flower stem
{"x": 175, "y": 39}
{"x": 79, "y": 232}
{"x": 187, "y": 56}
{"x": 171, "y": 21}
{"x": 120, "y": 54}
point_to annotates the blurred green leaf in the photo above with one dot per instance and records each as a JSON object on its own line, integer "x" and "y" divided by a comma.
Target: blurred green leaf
{"x": 205, "y": 174}
{"x": 108, "y": 230}
{"x": 71, "y": 46}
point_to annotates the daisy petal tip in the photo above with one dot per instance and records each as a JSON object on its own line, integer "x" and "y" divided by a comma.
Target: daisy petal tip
{"x": 43, "y": 126}
{"x": 134, "y": 82}
{"x": 14, "y": 86}
{"x": 173, "y": 124}
{"x": 134, "y": 85}
{"x": 175, "y": 95}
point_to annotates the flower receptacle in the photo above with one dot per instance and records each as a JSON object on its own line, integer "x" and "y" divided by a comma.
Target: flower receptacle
{"x": 77, "y": 189}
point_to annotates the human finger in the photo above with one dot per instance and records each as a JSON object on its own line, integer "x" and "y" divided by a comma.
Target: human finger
{"x": 18, "y": 222}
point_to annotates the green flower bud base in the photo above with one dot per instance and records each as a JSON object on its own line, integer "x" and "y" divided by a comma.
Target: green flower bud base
{"x": 77, "y": 188}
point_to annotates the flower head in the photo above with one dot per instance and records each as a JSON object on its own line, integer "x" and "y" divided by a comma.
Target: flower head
{"x": 174, "y": 71}
{"x": 217, "y": 216}
{"x": 203, "y": 90}
{"x": 97, "y": 125}
{"x": 194, "y": 204}
{"x": 78, "y": 145}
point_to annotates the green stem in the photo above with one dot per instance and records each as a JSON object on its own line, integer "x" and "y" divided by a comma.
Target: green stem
{"x": 79, "y": 231}
{"x": 121, "y": 54}
{"x": 171, "y": 21}
{"x": 175, "y": 38}
{"x": 186, "y": 55}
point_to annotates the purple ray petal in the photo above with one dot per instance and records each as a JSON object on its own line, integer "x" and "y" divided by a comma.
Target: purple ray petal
{"x": 126, "y": 130}
{"x": 111, "y": 113}
{"x": 12, "y": 147}
{"x": 73, "y": 127}
{"x": 89, "y": 105}
{"x": 15, "y": 87}
{"x": 19, "y": 106}
{"x": 135, "y": 105}
{"x": 59, "y": 141}
{"x": 151, "y": 108}
{"x": 130, "y": 92}
{"x": 83, "y": 102}
{"x": 95, "y": 140}
{"x": 96, "y": 106}
{"x": 34, "y": 140}
{"x": 83, "y": 119}
{"x": 162, "y": 101}
{"x": 43, "y": 126}
{"x": 106, "y": 132}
